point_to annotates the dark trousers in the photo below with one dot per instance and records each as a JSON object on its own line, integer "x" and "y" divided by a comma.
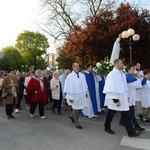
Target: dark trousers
{"x": 132, "y": 117}
{"x": 19, "y": 101}
{"x": 125, "y": 118}
{"x": 75, "y": 115}
{"x": 26, "y": 99}
{"x": 57, "y": 103}
{"x": 9, "y": 108}
{"x": 41, "y": 108}
{"x": 1, "y": 101}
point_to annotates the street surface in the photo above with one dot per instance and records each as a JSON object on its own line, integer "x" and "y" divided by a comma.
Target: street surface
{"x": 59, "y": 133}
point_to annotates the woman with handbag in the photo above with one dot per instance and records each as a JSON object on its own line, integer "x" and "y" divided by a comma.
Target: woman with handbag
{"x": 10, "y": 87}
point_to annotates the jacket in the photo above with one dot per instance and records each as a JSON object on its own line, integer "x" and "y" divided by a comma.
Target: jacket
{"x": 5, "y": 87}
{"x": 55, "y": 87}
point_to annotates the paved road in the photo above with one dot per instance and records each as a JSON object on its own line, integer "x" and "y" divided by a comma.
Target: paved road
{"x": 58, "y": 133}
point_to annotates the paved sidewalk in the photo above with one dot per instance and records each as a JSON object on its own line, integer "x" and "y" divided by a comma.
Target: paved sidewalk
{"x": 58, "y": 133}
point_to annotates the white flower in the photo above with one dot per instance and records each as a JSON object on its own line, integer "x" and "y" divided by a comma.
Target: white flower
{"x": 94, "y": 69}
{"x": 107, "y": 67}
{"x": 98, "y": 64}
{"x": 124, "y": 70}
{"x": 107, "y": 62}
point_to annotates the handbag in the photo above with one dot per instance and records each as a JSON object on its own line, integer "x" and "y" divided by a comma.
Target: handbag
{"x": 5, "y": 94}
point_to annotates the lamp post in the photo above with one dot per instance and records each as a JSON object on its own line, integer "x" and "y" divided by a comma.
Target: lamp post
{"x": 130, "y": 34}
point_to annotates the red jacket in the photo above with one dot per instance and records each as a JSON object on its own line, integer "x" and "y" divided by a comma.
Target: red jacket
{"x": 34, "y": 85}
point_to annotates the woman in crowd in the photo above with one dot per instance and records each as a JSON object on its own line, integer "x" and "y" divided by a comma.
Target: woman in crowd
{"x": 27, "y": 79}
{"x": 1, "y": 80}
{"x": 57, "y": 93}
{"x": 36, "y": 94}
{"x": 47, "y": 85}
{"x": 10, "y": 85}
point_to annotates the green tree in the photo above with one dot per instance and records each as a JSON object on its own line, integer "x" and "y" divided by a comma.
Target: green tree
{"x": 32, "y": 45}
{"x": 11, "y": 58}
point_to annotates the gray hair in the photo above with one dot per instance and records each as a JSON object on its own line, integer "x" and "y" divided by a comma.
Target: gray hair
{"x": 67, "y": 72}
{"x": 38, "y": 70}
{"x": 61, "y": 71}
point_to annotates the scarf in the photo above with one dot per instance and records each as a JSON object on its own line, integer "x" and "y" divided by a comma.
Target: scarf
{"x": 40, "y": 81}
{"x": 13, "y": 89}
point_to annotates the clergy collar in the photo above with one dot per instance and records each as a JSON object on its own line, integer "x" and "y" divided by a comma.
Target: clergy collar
{"x": 75, "y": 72}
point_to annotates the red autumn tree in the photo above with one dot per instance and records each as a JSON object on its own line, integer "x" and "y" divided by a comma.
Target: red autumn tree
{"x": 128, "y": 17}
{"x": 94, "y": 40}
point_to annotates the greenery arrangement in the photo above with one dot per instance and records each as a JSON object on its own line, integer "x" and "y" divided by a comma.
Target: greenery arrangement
{"x": 103, "y": 67}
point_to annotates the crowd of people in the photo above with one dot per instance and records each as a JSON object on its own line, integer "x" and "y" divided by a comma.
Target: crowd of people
{"x": 85, "y": 92}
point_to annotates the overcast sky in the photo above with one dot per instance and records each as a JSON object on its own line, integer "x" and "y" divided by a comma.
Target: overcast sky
{"x": 19, "y": 15}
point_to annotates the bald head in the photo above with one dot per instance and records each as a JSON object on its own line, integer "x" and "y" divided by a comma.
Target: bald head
{"x": 75, "y": 67}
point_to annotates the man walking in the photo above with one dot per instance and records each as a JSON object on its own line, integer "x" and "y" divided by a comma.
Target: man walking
{"x": 91, "y": 111}
{"x": 76, "y": 93}
{"x": 117, "y": 98}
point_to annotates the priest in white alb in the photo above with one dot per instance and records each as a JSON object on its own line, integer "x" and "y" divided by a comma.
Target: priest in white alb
{"x": 117, "y": 98}
{"x": 76, "y": 90}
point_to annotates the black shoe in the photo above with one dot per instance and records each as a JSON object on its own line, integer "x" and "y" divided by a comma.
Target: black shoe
{"x": 109, "y": 131}
{"x": 139, "y": 128}
{"x": 135, "y": 134}
{"x": 79, "y": 127}
{"x": 141, "y": 117}
{"x": 71, "y": 119}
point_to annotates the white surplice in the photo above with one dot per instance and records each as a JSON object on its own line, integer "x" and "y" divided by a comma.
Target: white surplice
{"x": 116, "y": 88}
{"x": 76, "y": 89}
{"x": 88, "y": 111}
{"x": 139, "y": 90}
{"x": 146, "y": 95}
{"x": 132, "y": 91}
{"x": 97, "y": 79}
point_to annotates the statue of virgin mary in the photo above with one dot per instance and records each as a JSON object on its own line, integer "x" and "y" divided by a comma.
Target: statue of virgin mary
{"x": 116, "y": 50}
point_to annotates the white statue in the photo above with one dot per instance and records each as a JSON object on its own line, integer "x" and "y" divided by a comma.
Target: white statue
{"x": 116, "y": 50}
